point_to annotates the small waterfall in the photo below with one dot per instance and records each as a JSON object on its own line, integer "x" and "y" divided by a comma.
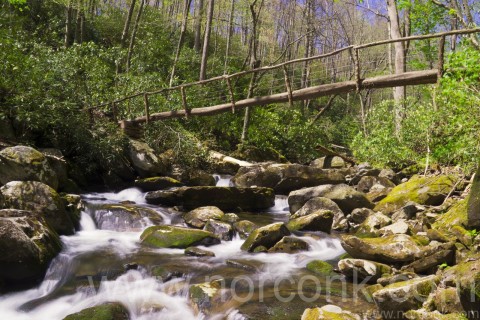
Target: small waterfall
{"x": 281, "y": 205}
{"x": 131, "y": 194}
{"x": 223, "y": 180}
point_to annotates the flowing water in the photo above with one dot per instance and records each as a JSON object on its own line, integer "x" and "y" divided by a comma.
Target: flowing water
{"x": 98, "y": 266}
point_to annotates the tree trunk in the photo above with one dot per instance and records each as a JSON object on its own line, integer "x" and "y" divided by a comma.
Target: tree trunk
{"x": 78, "y": 23}
{"x": 68, "y": 25}
{"x": 123, "y": 39}
{"x": 181, "y": 40}
{"x": 229, "y": 35}
{"x": 198, "y": 25}
{"x": 134, "y": 33}
{"x": 400, "y": 67}
{"x": 206, "y": 40}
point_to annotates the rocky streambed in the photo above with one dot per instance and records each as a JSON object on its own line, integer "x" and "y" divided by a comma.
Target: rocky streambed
{"x": 276, "y": 241}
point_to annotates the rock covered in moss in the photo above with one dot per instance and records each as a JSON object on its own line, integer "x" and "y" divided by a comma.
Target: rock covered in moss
{"x": 320, "y": 203}
{"x": 197, "y": 218}
{"x": 344, "y": 196}
{"x": 222, "y": 230}
{"x": 369, "y": 183}
{"x": 284, "y": 178}
{"x": 422, "y": 314}
{"x": 456, "y": 216}
{"x": 40, "y": 198}
{"x": 225, "y": 198}
{"x": 266, "y": 236}
{"x": 156, "y": 183}
{"x": 399, "y": 248}
{"x": 360, "y": 269}
{"x": 145, "y": 161}
{"x": 123, "y": 217}
{"x": 22, "y": 163}
{"x": 320, "y": 267}
{"x": 473, "y": 206}
{"x": 400, "y": 297}
{"x": 329, "y": 312}
{"x": 73, "y": 206}
{"x": 176, "y": 237}
{"x": 372, "y": 224}
{"x": 107, "y": 311}
{"x": 446, "y": 300}
{"x": 244, "y": 228}
{"x": 27, "y": 244}
{"x": 197, "y": 252}
{"x": 289, "y": 244}
{"x": 320, "y": 220}
{"x": 205, "y": 296}
{"x": 421, "y": 190}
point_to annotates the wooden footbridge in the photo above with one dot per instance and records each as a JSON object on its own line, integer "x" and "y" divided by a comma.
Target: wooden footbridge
{"x": 349, "y": 69}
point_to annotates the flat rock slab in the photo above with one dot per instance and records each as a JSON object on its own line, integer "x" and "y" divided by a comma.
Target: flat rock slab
{"x": 225, "y": 198}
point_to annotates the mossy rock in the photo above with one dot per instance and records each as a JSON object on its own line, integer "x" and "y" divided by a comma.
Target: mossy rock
{"x": 320, "y": 267}
{"x": 22, "y": 163}
{"x": 176, "y": 237}
{"x": 422, "y": 314}
{"x": 289, "y": 244}
{"x": 197, "y": 218}
{"x": 421, "y": 190}
{"x": 205, "y": 296}
{"x": 320, "y": 220}
{"x": 124, "y": 217}
{"x": 222, "y": 230}
{"x": 266, "y": 236}
{"x": 145, "y": 160}
{"x": 73, "y": 206}
{"x": 244, "y": 228}
{"x": 455, "y": 216}
{"x": 360, "y": 269}
{"x": 40, "y": 198}
{"x": 107, "y": 311}
{"x": 157, "y": 183}
{"x": 473, "y": 207}
{"x": 197, "y": 252}
{"x": 329, "y": 312}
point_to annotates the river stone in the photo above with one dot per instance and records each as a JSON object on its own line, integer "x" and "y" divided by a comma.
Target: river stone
{"x": 344, "y": 196}
{"x": 317, "y": 203}
{"x": 176, "y": 237}
{"x": 395, "y": 249}
{"x": 328, "y": 312}
{"x": 422, "y": 314}
{"x": 244, "y": 228}
{"x": 359, "y": 269}
{"x": 124, "y": 217}
{"x": 367, "y": 183}
{"x": 320, "y": 267}
{"x": 266, "y": 236}
{"x": 197, "y": 252}
{"x": 59, "y": 165}
{"x": 27, "y": 244}
{"x": 399, "y": 227}
{"x": 198, "y": 178}
{"x": 157, "y": 183}
{"x": 107, "y": 311}
{"x": 230, "y": 218}
{"x": 466, "y": 277}
{"x": 284, "y": 178}
{"x": 40, "y": 198}
{"x": 21, "y": 163}
{"x": 289, "y": 244}
{"x": 372, "y": 224}
{"x": 320, "y": 220}
{"x": 422, "y": 190}
{"x": 145, "y": 161}
{"x": 400, "y": 297}
{"x": 222, "y": 230}
{"x": 197, "y": 218}
{"x": 446, "y": 300}
{"x": 73, "y": 206}
{"x": 473, "y": 206}
{"x": 456, "y": 216}
{"x": 328, "y": 162}
{"x": 359, "y": 215}
{"x": 205, "y": 296}
{"x": 225, "y": 198}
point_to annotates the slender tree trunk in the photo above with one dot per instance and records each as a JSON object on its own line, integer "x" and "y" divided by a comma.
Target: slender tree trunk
{"x": 68, "y": 24}
{"x": 206, "y": 40}
{"x": 78, "y": 23}
{"x": 229, "y": 34}
{"x": 398, "y": 92}
{"x": 181, "y": 40}
{"x": 126, "y": 27}
{"x": 134, "y": 33}
{"x": 198, "y": 25}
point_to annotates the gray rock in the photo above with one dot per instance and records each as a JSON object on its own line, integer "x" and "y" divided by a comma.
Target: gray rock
{"x": 156, "y": 183}
{"x": 197, "y": 252}
{"x": 368, "y": 183}
{"x": 328, "y": 162}
{"x": 145, "y": 161}
{"x": 372, "y": 224}
{"x": 124, "y": 217}
{"x": 320, "y": 203}
{"x": 320, "y": 220}
{"x": 359, "y": 269}
{"x": 266, "y": 236}
{"x": 473, "y": 206}
{"x": 289, "y": 244}
{"x": 197, "y": 218}
{"x": 222, "y": 230}
{"x": 244, "y": 228}
{"x": 329, "y": 312}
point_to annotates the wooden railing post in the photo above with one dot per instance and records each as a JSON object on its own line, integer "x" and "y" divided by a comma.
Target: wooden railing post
{"x": 441, "y": 57}
{"x": 288, "y": 86}
{"x": 356, "y": 61}
{"x": 147, "y": 106}
{"x": 184, "y": 102}
{"x": 232, "y": 96}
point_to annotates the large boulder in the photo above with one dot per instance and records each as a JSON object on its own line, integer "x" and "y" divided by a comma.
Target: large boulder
{"x": 320, "y": 203}
{"x": 204, "y": 297}
{"x": 107, "y": 311}
{"x": 244, "y": 228}
{"x": 23, "y": 163}
{"x": 344, "y": 196}
{"x": 372, "y": 224}
{"x": 225, "y": 198}
{"x": 145, "y": 161}
{"x": 222, "y": 230}
{"x": 421, "y": 190}
{"x": 455, "y": 216}
{"x": 394, "y": 249}
{"x": 27, "y": 244}
{"x": 368, "y": 183}
{"x": 396, "y": 299}
{"x": 320, "y": 220}
{"x": 156, "y": 183}
{"x": 473, "y": 208}
{"x": 176, "y": 237}
{"x": 289, "y": 244}
{"x": 329, "y": 312}
{"x": 359, "y": 269}
{"x": 40, "y": 198}
{"x": 197, "y": 218}
{"x": 124, "y": 217}
{"x": 59, "y": 165}
{"x": 266, "y": 236}
{"x": 284, "y": 178}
